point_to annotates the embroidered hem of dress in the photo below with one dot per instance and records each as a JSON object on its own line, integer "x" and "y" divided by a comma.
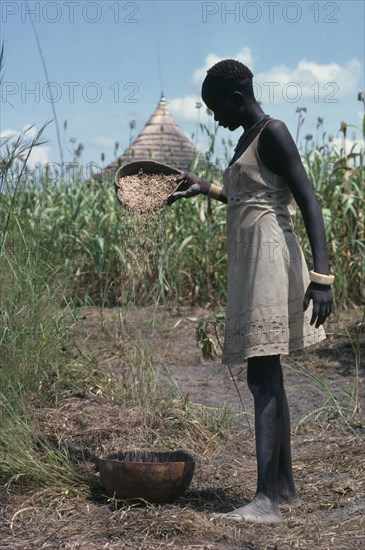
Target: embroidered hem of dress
{"x": 256, "y": 351}
{"x": 274, "y": 330}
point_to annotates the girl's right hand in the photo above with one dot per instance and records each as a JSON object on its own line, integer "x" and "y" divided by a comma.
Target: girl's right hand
{"x": 190, "y": 186}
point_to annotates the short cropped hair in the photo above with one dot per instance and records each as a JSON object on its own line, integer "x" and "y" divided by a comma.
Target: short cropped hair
{"x": 230, "y": 69}
{"x": 227, "y": 76}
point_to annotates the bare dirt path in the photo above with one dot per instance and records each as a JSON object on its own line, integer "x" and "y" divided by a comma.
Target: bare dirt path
{"x": 170, "y": 334}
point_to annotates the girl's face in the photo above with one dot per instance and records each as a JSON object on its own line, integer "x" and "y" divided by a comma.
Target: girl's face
{"x": 225, "y": 107}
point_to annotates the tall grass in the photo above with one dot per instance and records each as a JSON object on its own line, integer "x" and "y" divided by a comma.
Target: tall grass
{"x": 113, "y": 257}
{"x": 109, "y": 256}
{"x": 339, "y": 183}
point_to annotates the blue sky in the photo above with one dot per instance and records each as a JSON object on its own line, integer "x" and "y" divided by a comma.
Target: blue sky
{"x": 102, "y": 58}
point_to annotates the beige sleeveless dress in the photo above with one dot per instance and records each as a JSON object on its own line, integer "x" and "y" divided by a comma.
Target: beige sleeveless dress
{"x": 267, "y": 272}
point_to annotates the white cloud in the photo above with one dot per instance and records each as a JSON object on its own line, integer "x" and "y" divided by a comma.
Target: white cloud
{"x": 38, "y": 155}
{"x": 185, "y": 108}
{"x": 8, "y": 133}
{"x": 338, "y": 144}
{"x": 327, "y": 83}
{"x": 244, "y": 55}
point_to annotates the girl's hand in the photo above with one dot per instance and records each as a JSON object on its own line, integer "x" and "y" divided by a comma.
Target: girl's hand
{"x": 191, "y": 185}
{"x": 322, "y": 302}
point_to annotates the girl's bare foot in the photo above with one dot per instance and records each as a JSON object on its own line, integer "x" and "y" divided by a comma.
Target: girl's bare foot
{"x": 259, "y": 510}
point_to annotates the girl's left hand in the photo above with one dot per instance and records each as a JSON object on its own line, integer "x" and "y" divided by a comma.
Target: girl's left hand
{"x": 322, "y": 302}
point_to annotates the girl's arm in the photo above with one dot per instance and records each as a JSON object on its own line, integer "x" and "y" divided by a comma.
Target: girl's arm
{"x": 279, "y": 153}
{"x": 192, "y": 185}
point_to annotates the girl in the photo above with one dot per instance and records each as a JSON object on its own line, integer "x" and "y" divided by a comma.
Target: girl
{"x": 269, "y": 286}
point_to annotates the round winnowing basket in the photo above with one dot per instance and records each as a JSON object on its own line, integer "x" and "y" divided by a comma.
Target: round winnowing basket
{"x": 147, "y": 167}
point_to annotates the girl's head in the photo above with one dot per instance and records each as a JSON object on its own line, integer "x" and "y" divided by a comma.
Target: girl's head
{"x": 227, "y": 90}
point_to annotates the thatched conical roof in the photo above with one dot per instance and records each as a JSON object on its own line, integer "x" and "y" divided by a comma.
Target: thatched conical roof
{"x": 160, "y": 140}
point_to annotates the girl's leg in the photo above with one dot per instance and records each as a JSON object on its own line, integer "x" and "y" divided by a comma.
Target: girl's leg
{"x": 264, "y": 382}
{"x": 272, "y": 429}
{"x": 287, "y": 491}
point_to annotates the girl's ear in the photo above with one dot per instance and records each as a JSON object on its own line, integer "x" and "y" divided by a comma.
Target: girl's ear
{"x": 238, "y": 98}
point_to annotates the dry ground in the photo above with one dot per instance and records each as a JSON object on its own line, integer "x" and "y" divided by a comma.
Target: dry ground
{"x": 328, "y": 455}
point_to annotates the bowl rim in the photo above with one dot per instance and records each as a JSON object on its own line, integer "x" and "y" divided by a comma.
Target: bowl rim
{"x": 116, "y": 457}
{"x": 153, "y": 166}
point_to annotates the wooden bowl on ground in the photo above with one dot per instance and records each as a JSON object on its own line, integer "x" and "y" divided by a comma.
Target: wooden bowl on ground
{"x": 154, "y": 477}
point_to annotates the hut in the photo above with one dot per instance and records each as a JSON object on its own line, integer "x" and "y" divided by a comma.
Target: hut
{"x": 160, "y": 140}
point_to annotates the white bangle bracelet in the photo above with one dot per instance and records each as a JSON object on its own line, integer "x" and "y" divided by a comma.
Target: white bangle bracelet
{"x": 321, "y": 279}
